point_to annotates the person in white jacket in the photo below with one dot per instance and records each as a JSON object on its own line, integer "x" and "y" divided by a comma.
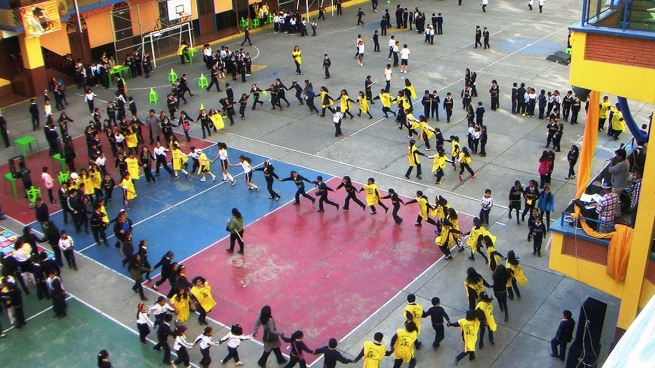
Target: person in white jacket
{"x": 234, "y": 338}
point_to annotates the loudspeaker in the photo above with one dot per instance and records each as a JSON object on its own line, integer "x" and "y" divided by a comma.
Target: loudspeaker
{"x": 582, "y": 93}
{"x": 585, "y": 349}
{"x": 560, "y": 58}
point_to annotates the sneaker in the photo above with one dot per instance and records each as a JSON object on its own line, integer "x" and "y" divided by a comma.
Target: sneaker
{"x": 203, "y": 179}
{"x": 474, "y": 175}
{"x": 233, "y": 182}
{"x": 256, "y": 189}
{"x": 460, "y": 177}
{"x": 238, "y": 363}
{"x": 277, "y": 198}
{"x": 155, "y": 287}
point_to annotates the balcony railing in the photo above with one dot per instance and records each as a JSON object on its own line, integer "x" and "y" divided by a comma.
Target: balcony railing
{"x": 635, "y": 15}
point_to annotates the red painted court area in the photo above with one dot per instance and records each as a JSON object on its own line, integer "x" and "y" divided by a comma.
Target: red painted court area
{"x": 323, "y": 273}
{"x": 18, "y": 208}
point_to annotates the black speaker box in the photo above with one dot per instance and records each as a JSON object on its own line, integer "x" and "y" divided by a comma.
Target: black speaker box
{"x": 585, "y": 349}
{"x": 560, "y": 58}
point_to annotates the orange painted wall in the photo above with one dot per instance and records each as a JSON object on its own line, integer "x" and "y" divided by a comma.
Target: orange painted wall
{"x": 57, "y": 42}
{"x": 222, "y": 6}
{"x": 144, "y": 17}
{"x": 99, "y": 29}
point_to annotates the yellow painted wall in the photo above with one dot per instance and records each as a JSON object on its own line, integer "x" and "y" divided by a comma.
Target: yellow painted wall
{"x": 619, "y": 80}
{"x": 223, "y": 5}
{"x": 590, "y": 273}
{"x": 647, "y": 292}
{"x": 99, "y": 29}
{"x": 57, "y": 42}
{"x": 30, "y": 48}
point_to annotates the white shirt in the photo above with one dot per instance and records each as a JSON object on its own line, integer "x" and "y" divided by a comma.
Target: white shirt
{"x": 387, "y": 74}
{"x": 392, "y": 43}
{"x": 541, "y": 2}
{"x": 205, "y": 342}
{"x": 234, "y": 341}
{"x": 159, "y": 151}
{"x": 404, "y": 53}
{"x": 48, "y": 110}
{"x": 101, "y": 161}
{"x": 395, "y": 48}
{"x": 180, "y": 341}
{"x": 336, "y": 117}
{"x": 222, "y": 154}
{"x": 487, "y": 203}
{"x": 65, "y": 244}
{"x": 89, "y": 97}
{"x": 207, "y": 51}
{"x": 47, "y": 180}
{"x": 157, "y": 309}
{"x": 142, "y": 319}
{"x": 21, "y": 255}
{"x": 119, "y": 138}
{"x": 246, "y": 167}
{"x": 360, "y": 49}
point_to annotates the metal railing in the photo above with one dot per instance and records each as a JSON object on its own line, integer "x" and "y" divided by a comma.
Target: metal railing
{"x": 634, "y": 15}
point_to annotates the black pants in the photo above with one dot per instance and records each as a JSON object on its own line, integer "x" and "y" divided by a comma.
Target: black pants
{"x": 528, "y": 209}
{"x": 246, "y": 39}
{"x": 418, "y": 171}
{"x": 144, "y": 330}
{"x": 555, "y": 344}
{"x": 301, "y": 192}
{"x": 327, "y": 72}
{"x": 461, "y": 355}
{"x": 481, "y": 337}
{"x": 312, "y": 107}
{"x": 70, "y": 258}
{"x": 138, "y": 288}
{"x": 398, "y": 362}
{"x": 167, "y": 350}
{"x": 264, "y": 358}
{"x": 494, "y": 103}
{"x": 438, "y": 334}
{"x": 161, "y": 161}
{"x": 41, "y": 289}
{"x": 484, "y": 215}
{"x": 337, "y": 129}
{"x": 19, "y": 315}
{"x": 352, "y": 196}
{"x": 293, "y": 360}
{"x": 206, "y": 358}
{"x": 269, "y": 187}
{"x": 147, "y": 171}
{"x": 182, "y": 357}
{"x": 463, "y": 166}
{"x": 449, "y": 113}
{"x": 216, "y": 82}
{"x": 501, "y": 298}
{"x": 236, "y": 237}
{"x": 537, "y": 244}
{"x": 514, "y": 286}
{"x": 232, "y": 353}
{"x": 59, "y": 305}
{"x": 324, "y": 199}
{"x": 99, "y": 234}
{"x": 394, "y": 213}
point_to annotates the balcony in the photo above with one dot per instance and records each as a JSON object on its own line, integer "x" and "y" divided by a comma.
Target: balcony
{"x": 624, "y": 15}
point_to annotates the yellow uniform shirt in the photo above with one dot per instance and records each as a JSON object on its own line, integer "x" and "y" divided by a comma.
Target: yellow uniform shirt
{"x": 179, "y": 158}
{"x": 494, "y": 259}
{"x": 345, "y": 103}
{"x": 96, "y": 179}
{"x": 488, "y": 310}
{"x": 517, "y": 272}
{"x": 372, "y": 196}
{"x": 464, "y": 159}
{"x": 404, "y": 348}
{"x": 423, "y": 207}
{"x": 426, "y": 130}
{"x": 88, "y": 184}
{"x": 475, "y": 235}
{"x": 412, "y": 90}
{"x": 204, "y": 162}
{"x": 417, "y": 314}
{"x": 386, "y": 99}
{"x": 455, "y": 149}
{"x": 326, "y": 100}
{"x": 364, "y": 105}
{"x": 131, "y": 140}
{"x": 182, "y": 306}
{"x": 373, "y": 354}
{"x": 478, "y": 286}
{"x": 217, "y": 120}
{"x": 130, "y": 192}
{"x": 605, "y": 109}
{"x": 413, "y": 156}
{"x": 297, "y": 56}
{"x": 618, "y": 122}
{"x": 204, "y": 296}
{"x": 133, "y": 167}
{"x": 470, "y": 331}
{"x": 439, "y": 163}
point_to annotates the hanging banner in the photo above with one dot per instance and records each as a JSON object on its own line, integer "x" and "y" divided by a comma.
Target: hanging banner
{"x": 41, "y": 18}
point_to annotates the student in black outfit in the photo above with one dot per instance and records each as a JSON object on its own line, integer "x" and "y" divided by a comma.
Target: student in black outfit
{"x": 269, "y": 176}
{"x": 297, "y": 349}
{"x": 515, "y": 194}
{"x": 538, "y": 232}
{"x": 346, "y": 183}
{"x": 103, "y": 359}
{"x": 322, "y": 192}
{"x": 396, "y": 201}
{"x": 97, "y": 225}
{"x": 15, "y": 300}
{"x": 500, "y": 278}
{"x": 331, "y": 355}
{"x": 437, "y": 316}
{"x": 530, "y": 194}
{"x": 542, "y": 101}
{"x": 563, "y": 336}
{"x": 298, "y": 180}
{"x": 166, "y": 264}
{"x": 163, "y": 332}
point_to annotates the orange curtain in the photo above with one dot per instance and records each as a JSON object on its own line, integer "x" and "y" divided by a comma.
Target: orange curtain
{"x": 619, "y": 252}
{"x": 588, "y": 143}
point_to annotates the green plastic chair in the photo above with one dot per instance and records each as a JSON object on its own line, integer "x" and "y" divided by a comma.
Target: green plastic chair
{"x": 63, "y": 177}
{"x": 172, "y": 76}
{"x": 255, "y": 23}
{"x": 243, "y": 22}
{"x": 202, "y": 81}
{"x": 568, "y": 51}
{"x": 270, "y": 19}
{"x": 154, "y": 97}
{"x": 33, "y": 193}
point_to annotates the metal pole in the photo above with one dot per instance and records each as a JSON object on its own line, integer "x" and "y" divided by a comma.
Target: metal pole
{"x": 79, "y": 25}
{"x": 307, "y": 10}
{"x": 235, "y": 4}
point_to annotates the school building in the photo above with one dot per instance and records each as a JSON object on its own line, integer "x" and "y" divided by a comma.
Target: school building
{"x": 612, "y": 54}
{"x": 37, "y": 36}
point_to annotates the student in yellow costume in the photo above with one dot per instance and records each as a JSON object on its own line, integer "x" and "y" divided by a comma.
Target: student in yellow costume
{"x": 492, "y": 254}
{"x": 326, "y": 99}
{"x": 132, "y": 141}
{"x": 181, "y": 303}
{"x": 373, "y": 196}
{"x": 414, "y": 313}
{"x": 455, "y": 149}
{"x": 475, "y": 239}
{"x": 413, "y": 155}
{"x": 96, "y": 179}
{"x": 364, "y": 105}
{"x": 470, "y": 329}
{"x": 205, "y": 166}
{"x": 403, "y": 345}
{"x": 618, "y": 123}
{"x": 424, "y": 207}
{"x": 373, "y": 352}
{"x": 410, "y": 91}
{"x": 449, "y": 234}
{"x": 346, "y": 103}
{"x": 474, "y": 284}
{"x": 386, "y": 100}
{"x": 296, "y": 54}
{"x": 179, "y": 159}
{"x": 518, "y": 276}
{"x": 129, "y": 192}
{"x": 425, "y": 131}
{"x": 133, "y": 166}
{"x": 605, "y": 107}
{"x": 85, "y": 178}
{"x": 439, "y": 164}
{"x": 485, "y": 307}
{"x": 201, "y": 294}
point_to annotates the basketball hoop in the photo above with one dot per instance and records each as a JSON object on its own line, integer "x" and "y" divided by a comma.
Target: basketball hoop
{"x": 183, "y": 14}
